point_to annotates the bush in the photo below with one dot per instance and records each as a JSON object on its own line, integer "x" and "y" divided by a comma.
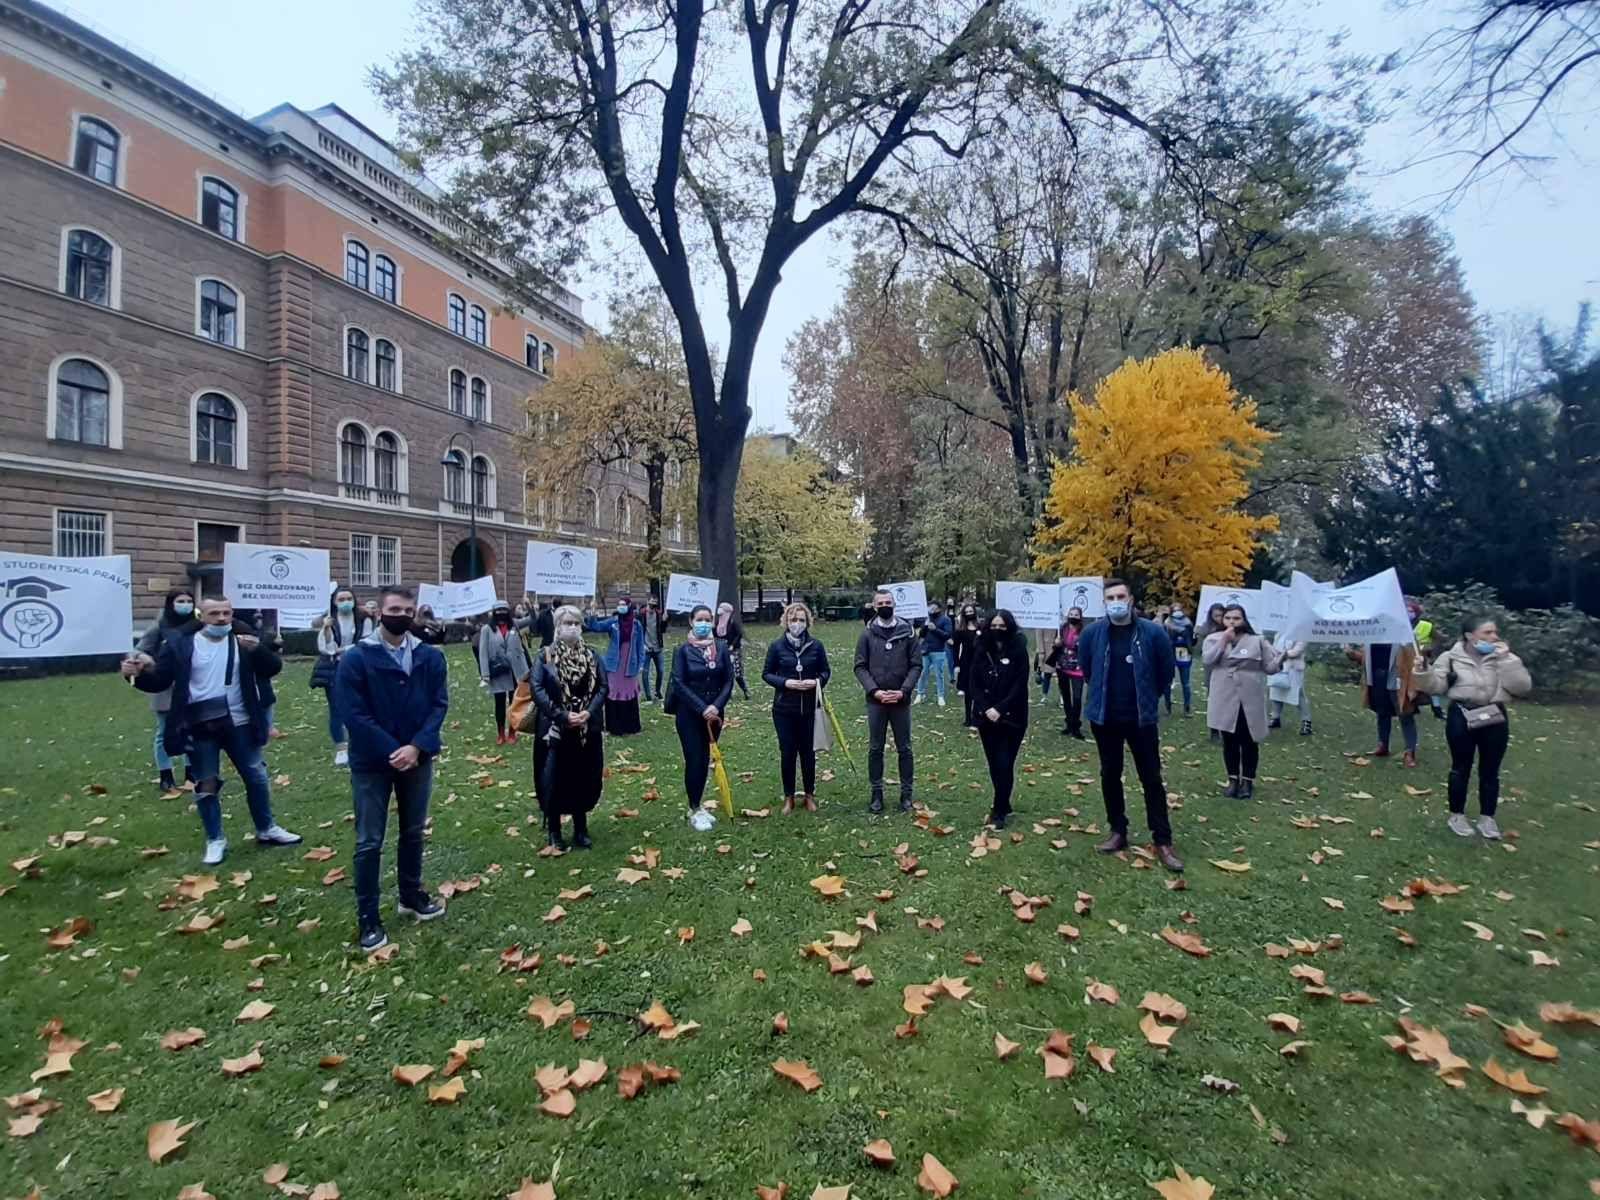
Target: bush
{"x": 1561, "y": 646}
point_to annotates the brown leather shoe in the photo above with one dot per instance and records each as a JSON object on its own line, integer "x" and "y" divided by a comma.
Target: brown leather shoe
{"x": 1169, "y": 860}
{"x": 810, "y": 801}
{"x": 1114, "y": 844}
{"x": 788, "y": 805}
{"x": 1411, "y": 758}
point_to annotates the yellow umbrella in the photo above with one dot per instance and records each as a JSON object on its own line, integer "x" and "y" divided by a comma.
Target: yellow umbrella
{"x": 719, "y": 770}
{"x": 838, "y": 730}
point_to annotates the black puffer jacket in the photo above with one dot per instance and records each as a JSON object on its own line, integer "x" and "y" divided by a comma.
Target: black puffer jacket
{"x": 786, "y": 662}
{"x": 999, "y": 679}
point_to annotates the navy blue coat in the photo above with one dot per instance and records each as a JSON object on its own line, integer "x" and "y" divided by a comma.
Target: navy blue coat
{"x": 695, "y": 686}
{"x": 383, "y": 708}
{"x": 1152, "y": 668}
{"x": 785, "y": 662}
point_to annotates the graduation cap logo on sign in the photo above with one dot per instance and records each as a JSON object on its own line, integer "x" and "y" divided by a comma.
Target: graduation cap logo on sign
{"x": 28, "y": 618}
{"x": 567, "y": 560}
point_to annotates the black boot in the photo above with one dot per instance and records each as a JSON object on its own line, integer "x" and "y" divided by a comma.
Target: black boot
{"x": 580, "y": 831}
{"x": 1216, "y": 735}
{"x": 1305, "y": 728}
{"x": 553, "y": 832}
{"x": 1232, "y": 790}
{"x": 1275, "y": 723}
{"x": 1247, "y": 788}
{"x": 168, "y": 784}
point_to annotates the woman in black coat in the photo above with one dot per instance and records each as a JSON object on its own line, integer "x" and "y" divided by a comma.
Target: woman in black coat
{"x": 998, "y": 691}
{"x": 963, "y": 644}
{"x": 698, "y": 695}
{"x": 797, "y": 671}
{"x": 568, "y": 683}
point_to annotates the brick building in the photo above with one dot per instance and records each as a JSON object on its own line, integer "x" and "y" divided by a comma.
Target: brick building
{"x": 266, "y": 330}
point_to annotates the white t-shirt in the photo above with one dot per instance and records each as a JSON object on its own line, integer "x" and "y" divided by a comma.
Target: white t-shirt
{"x": 208, "y": 673}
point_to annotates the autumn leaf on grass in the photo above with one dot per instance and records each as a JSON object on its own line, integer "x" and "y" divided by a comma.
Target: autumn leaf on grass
{"x": 1513, "y": 1081}
{"x": 196, "y": 887}
{"x": 1566, "y": 1013}
{"x": 1396, "y": 904}
{"x": 741, "y": 927}
{"x": 1189, "y": 943}
{"x": 798, "y": 1072}
{"x": 1184, "y": 1187}
{"x": 1234, "y": 868}
{"x": 590, "y": 1072}
{"x": 548, "y": 1013}
{"x": 1292, "y": 1049}
{"x": 1525, "y": 1041}
{"x": 1156, "y": 1033}
{"x": 448, "y": 1092}
{"x": 656, "y": 1017}
{"x": 411, "y": 1075}
{"x": 199, "y": 923}
{"x": 1284, "y": 1021}
{"x": 256, "y": 1010}
{"x": 934, "y": 1178}
{"x": 1004, "y": 1048}
{"x": 529, "y": 1190}
{"x": 551, "y": 1078}
{"x": 561, "y": 1104}
{"x": 164, "y": 1137}
{"x": 180, "y": 1039}
{"x": 1540, "y": 959}
{"x": 682, "y": 1029}
{"x": 24, "y": 1126}
{"x": 829, "y": 885}
{"x": 825, "y": 1193}
{"x": 1311, "y": 975}
{"x": 56, "y": 1062}
{"x": 1164, "y": 1006}
{"x": 1482, "y": 932}
{"x": 234, "y": 1067}
{"x": 862, "y": 976}
{"x": 1036, "y": 973}
{"x": 1103, "y": 992}
{"x": 630, "y": 877}
{"x": 555, "y": 914}
{"x": 318, "y": 854}
{"x": 195, "y": 1191}
{"x": 570, "y": 894}
{"x": 67, "y": 936}
{"x": 879, "y": 1153}
{"x": 107, "y": 1101}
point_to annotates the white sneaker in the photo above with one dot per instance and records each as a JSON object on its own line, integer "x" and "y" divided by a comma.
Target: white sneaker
{"x": 1459, "y": 825}
{"x": 1489, "y": 828}
{"x": 216, "y": 851}
{"x": 941, "y": 701}
{"x": 277, "y": 835}
{"x": 341, "y": 758}
{"x": 917, "y": 698}
{"x": 701, "y": 821}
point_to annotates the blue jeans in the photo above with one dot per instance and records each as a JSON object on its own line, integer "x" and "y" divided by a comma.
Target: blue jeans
{"x": 205, "y": 764}
{"x": 1183, "y": 670}
{"x": 935, "y": 666}
{"x": 652, "y": 656}
{"x": 1408, "y": 729}
{"x": 335, "y": 723}
{"x": 370, "y": 792}
{"x": 163, "y": 759}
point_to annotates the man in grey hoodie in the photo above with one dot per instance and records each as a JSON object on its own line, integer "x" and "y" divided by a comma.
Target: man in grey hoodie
{"x": 888, "y": 662}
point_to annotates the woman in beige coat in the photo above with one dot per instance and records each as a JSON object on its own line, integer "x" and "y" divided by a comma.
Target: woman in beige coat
{"x": 1478, "y": 675}
{"x": 1238, "y": 661}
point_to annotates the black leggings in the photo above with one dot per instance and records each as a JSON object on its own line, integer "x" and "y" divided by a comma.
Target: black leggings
{"x": 696, "y": 742}
{"x": 1001, "y": 744}
{"x": 1072, "y": 702}
{"x": 1489, "y": 746}
{"x": 1240, "y": 752}
{"x": 500, "y": 699}
{"x": 796, "y": 739}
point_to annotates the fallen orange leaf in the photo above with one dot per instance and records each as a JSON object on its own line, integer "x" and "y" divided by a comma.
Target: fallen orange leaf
{"x": 1184, "y": 1187}
{"x": 798, "y": 1072}
{"x": 107, "y": 1101}
{"x": 1514, "y": 1081}
{"x": 1103, "y": 992}
{"x": 1189, "y": 943}
{"x": 164, "y": 1137}
{"x": 1036, "y": 973}
{"x": 234, "y": 1067}
{"x": 1103, "y": 1057}
{"x": 1156, "y": 1033}
{"x": 533, "y": 1191}
{"x": 1004, "y": 1048}
{"x": 411, "y": 1075}
{"x": 448, "y": 1092}
{"x": 563, "y": 1104}
{"x": 1164, "y": 1006}
{"x": 880, "y": 1153}
{"x": 934, "y": 1178}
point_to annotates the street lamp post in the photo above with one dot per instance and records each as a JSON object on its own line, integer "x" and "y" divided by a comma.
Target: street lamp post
{"x": 472, "y": 501}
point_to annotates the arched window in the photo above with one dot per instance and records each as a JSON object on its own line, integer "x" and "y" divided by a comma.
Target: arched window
{"x": 219, "y": 312}
{"x": 455, "y": 477}
{"x": 591, "y": 507}
{"x": 383, "y": 278}
{"x": 353, "y": 455}
{"x": 624, "y": 514}
{"x": 549, "y": 359}
{"x": 355, "y": 265}
{"x": 386, "y": 462}
{"x": 355, "y": 355}
{"x": 219, "y": 208}
{"x": 482, "y": 483}
{"x": 95, "y": 152}
{"x": 458, "y": 315}
{"x": 216, "y": 425}
{"x": 83, "y": 404}
{"x": 480, "y": 399}
{"x": 530, "y": 350}
{"x": 90, "y": 259}
{"x": 479, "y": 326}
{"x": 458, "y": 391}
{"x": 386, "y": 366}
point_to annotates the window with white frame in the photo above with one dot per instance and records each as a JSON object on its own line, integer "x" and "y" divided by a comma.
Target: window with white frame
{"x": 478, "y": 327}
{"x": 374, "y": 560}
{"x": 458, "y": 391}
{"x": 355, "y": 264}
{"x": 386, "y": 462}
{"x": 383, "y": 278}
{"x": 82, "y": 534}
{"x": 219, "y": 208}
{"x": 83, "y": 403}
{"x": 456, "y": 308}
{"x": 360, "y": 560}
{"x": 480, "y": 399}
{"x": 455, "y": 477}
{"x": 386, "y": 570}
{"x": 356, "y": 351}
{"x": 90, "y": 268}
{"x": 530, "y": 351}
{"x": 386, "y": 365}
{"x": 482, "y": 482}
{"x": 549, "y": 359}
{"x": 353, "y": 456}
{"x": 219, "y": 313}
{"x": 216, "y": 425}
{"x": 95, "y": 151}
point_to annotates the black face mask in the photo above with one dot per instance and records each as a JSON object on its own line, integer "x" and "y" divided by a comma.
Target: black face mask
{"x": 884, "y": 611}
{"x": 396, "y": 623}
{"x": 995, "y": 636}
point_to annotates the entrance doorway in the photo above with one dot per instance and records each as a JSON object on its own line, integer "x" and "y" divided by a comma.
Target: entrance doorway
{"x": 461, "y": 563}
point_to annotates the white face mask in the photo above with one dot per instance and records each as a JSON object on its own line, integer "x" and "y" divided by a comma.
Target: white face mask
{"x": 569, "y": 632}
{"x": 797, "y": 628}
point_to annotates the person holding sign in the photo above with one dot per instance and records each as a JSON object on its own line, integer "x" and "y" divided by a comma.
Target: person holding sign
{"x": 1000, "y": 671}
{"x": 624, "y": 661}
{"x": 797, "y": 670}
{"x": 218, "y": 680}
{"x": 1390, "y": 691}
{"x": 697, "y": 696}
{"x": 1069, "y": 668}
{"x": 569, "y": 695}
{"x": 888, "y": 662}
{"x": 341, "y": 629}
{"x": 394, "y": 692}
{"x": 177, "y": 612}
{"x": 1127, "y": 662}
{"x": 1478, "y": 675}
{"x": 1239, "y": 660}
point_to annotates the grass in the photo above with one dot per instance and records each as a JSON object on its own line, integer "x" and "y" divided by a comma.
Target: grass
{"x": 1347, "y": 1118}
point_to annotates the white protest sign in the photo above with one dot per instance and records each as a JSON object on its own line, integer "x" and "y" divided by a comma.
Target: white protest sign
{"x": 306, "y": 618}
{"x": 274, "y": 576}
{"x": 1085, "y": 592}
{"x": 452, "y": 601}
{"x": 54, "y": 607}
{"x": 556, "y": 569}
{"x": 686, "y": 591}
{"x": 1034, "y": 605}
{"x": 1216, "y": 593}
{"x": 910, "y": 598}
{"x": 1274, "y": 607}
{"x": 1371, "y": 610}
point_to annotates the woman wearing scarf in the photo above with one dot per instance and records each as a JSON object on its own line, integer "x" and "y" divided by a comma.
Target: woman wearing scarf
{"x": 999, "y": 692}
{"x": 1180, "y": 631}
{"x": 731, "y": 631}
{"x": 177, "y": 611}
{"x": 701, "y": 686}
{"x": 963, "y": 643}
{"x": 624, "y": 660}
{"x": 503, "y": 664}
{"x": 568, "y": 682}
{"x": 797, "y": 671}
{"x": 1070, "y": 668}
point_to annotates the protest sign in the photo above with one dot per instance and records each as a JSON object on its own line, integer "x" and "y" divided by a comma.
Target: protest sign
{"x": 1274, "y": 608}
{"x": 910, "y": 598}
{"x": 1371, "y": 610}
{"x": 1216, "y": 593}
{"x": 55, "y": 607}
{"x": 1085, "y": 592}
{"x": 686, "y": 591}
{"x": 557, "y": 569}
{"x": 1034, "y": 605}
{"x": 454, "y": 601}
{"x": 274, "y": 576}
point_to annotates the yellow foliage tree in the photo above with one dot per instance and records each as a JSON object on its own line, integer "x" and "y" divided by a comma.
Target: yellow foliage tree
{"x": 1157, "y": 472}
{"x": 799, "y": 529}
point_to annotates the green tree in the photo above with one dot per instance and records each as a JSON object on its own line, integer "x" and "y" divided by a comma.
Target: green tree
{"x": 798, "y": 528}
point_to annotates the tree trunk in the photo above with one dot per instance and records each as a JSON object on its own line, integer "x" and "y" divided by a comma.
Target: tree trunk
{"x": 720, "y": 456}
{"x": 655, "y": 470}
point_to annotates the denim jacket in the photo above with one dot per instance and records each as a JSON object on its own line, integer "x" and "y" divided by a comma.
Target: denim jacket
{"x": 1152, "y": 668}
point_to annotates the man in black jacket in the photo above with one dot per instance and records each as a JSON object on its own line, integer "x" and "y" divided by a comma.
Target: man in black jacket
{"x": 220, "y": 696}
{"x": 888, "y": 661}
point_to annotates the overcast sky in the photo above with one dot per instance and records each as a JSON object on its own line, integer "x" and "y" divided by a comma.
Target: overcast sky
{"x": 1526, "y": 247}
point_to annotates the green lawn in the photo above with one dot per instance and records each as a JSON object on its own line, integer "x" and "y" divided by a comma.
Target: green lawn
{"x": 1347, "y": 1117}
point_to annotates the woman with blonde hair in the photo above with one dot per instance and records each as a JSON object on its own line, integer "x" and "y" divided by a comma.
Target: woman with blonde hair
{"x": 568, "y": 682}
{"x": 797, "y": 670}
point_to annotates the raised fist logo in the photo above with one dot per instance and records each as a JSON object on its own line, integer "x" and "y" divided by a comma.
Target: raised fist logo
{"x": 30, "y": 623}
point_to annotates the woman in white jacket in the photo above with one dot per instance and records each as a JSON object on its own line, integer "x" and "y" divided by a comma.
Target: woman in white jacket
{"x": 1478, "y": 675}
{"x": 342, "y": 628}
{"x": 1238, "y": 660}
{"x": 1288, "y": 686}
